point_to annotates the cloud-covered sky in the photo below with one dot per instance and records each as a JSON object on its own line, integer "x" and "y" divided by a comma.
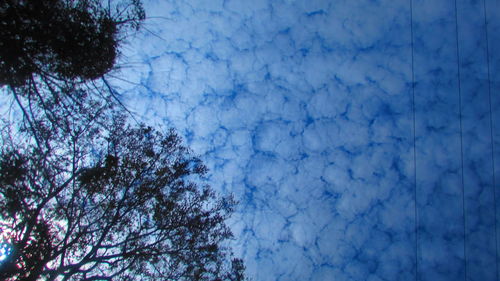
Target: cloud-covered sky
{"x": 361, "y": 137}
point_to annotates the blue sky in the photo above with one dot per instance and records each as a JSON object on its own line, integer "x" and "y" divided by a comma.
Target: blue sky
{"x": 362, "y": 138}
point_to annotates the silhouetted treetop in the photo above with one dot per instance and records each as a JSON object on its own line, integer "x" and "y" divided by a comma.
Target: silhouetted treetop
{"x": 64, "y": 39}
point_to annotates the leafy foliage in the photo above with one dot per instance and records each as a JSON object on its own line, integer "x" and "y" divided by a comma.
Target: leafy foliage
{"x": 83, "y": 195}
{"x": 132, "y": 210}
{"x": 62, "y": 39}
{"x": 50, "y": 53}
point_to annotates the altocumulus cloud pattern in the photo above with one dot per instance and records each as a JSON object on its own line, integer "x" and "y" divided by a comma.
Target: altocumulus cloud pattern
{"x": 362, "y": 138}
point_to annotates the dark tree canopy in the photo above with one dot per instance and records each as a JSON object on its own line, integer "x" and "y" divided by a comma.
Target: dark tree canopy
{"x": 124, "y": 205}
{"x": 50, "y": 52}
{"x": 63, "y": 39}
{"x": 83, "y": 194}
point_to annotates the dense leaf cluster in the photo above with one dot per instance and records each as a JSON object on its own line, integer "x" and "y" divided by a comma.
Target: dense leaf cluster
{"x": 66, "y": 39}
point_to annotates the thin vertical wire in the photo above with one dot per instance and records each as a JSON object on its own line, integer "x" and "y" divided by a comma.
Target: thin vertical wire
{"x": 491, "y": 135}
{"x": 414, "y": 142}
{"x": 461, "y": 141}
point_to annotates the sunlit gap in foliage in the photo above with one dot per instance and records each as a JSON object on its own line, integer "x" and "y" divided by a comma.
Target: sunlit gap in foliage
{"x": 5, "y": 248}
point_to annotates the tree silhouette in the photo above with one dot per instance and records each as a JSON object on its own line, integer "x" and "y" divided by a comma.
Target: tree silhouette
{"x": 125, "y": 205}
{"x": 62, "y": 39}
{"x": 84, "y": 195}
{"x": 52, "y": 53}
